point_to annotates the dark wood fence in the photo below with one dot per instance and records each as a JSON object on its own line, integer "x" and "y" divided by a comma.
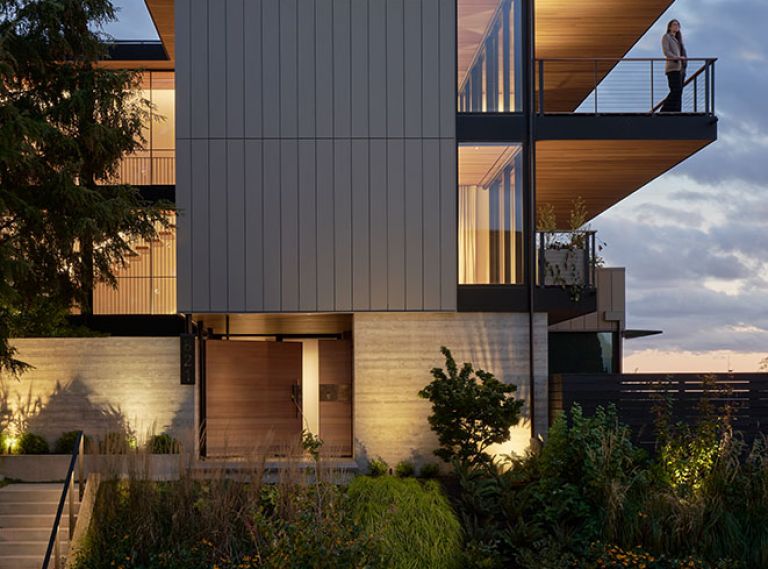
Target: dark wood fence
{"x": 635, "y": 396}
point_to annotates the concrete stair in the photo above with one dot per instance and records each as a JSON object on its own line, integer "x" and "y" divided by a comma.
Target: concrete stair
{"x": 27, "y": 513}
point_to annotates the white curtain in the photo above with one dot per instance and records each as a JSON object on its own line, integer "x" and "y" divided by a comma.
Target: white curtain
{"x": 474, "y": 261}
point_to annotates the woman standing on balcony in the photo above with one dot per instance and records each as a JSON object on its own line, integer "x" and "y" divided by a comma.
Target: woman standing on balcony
{"x": 674, "y": 50}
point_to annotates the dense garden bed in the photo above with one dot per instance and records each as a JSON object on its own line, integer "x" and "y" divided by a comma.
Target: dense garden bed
{"x": 226, "y": 523}
{"x": 587, "y": 498}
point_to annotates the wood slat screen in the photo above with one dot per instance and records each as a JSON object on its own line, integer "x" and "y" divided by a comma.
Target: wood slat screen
{"x": 636, "y": 394}
{"x": 146, "y": 284}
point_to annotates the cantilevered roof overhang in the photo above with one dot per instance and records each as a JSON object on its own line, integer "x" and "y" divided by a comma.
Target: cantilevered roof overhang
{"x": 564, "y": 28}
{"x": 602, "y": 172}
{"x": 587, "y": 29}
{"x": 161, "y": 12}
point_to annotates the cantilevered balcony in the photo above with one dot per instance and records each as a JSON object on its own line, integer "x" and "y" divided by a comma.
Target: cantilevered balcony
{"x": 601, "y": 133}
{"x": 565, "y": 279}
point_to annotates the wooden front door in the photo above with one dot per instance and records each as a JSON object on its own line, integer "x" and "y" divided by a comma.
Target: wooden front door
{"x": 253, "y": 397}
{"x": 336, "y": 397}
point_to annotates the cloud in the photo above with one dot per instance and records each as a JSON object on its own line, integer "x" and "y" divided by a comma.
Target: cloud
{"x": 734, "y": 33}
{"x": 697, "y": 263}
{"x": 694, "y": 241}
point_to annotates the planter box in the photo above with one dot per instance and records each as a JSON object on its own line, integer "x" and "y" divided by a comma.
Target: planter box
{"x": 53, "y": 467}
{"x": 564, "y": 267}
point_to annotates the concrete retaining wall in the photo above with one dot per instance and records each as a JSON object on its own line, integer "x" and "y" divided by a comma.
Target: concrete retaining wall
{"x": 394, "y": 353}
{"x": 99, "y": 385}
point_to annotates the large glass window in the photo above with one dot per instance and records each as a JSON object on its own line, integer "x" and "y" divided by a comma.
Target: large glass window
{"x": 155, "y": 164}
{"x": 582, "y": 352}
{"x": 489, "y": 51}
{"x": 490, "y": 214}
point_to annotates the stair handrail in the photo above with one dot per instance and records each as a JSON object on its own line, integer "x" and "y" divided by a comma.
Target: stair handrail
{"x": 67, "y": 491}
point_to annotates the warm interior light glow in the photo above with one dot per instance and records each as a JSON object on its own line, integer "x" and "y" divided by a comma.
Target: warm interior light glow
{"x": 490, "y": 215}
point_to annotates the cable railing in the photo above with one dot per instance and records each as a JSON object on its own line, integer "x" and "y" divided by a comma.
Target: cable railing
{"x": 53, "y": 549}
{"x": 621, "y": 86}
{"x": 147, "y": 170}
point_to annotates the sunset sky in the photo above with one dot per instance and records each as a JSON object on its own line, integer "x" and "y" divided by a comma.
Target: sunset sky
{"x": 693, "y": 241}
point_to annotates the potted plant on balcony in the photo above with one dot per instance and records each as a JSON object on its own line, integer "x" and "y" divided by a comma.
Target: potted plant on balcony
{"x": 564, "y": 252}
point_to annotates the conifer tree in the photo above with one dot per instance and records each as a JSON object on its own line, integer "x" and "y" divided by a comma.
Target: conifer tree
{"x": 65, "y": 124}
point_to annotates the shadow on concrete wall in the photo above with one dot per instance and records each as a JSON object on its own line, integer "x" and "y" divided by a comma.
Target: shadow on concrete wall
{"x": 183, "y": 423}
{"x": 69, "y": 407}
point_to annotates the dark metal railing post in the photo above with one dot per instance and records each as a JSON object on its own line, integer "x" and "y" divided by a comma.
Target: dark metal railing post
{"x": 593, "y": 263}
{"x": 706, "y": 86}
{"x": 69, "y": 488}
{"x": 541, "y": 86}
{"x": 595, "y": 82}
{"x": 542, "y": 259}
{"x": 711, "y": 64}
{"x": 71, "y": 507}
{"x": 587, "y": 258}
{"x": 696, "y": 95}
{"x": 81, "y": 468}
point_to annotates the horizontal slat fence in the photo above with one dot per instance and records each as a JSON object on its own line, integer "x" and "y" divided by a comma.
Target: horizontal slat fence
{"x": 635, "y": 396}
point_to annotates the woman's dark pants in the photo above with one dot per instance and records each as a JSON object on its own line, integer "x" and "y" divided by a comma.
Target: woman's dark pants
{"x": 674, "y": 101}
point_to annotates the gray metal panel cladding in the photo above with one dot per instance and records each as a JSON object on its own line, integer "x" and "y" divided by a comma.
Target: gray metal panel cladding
{"x": 316, "y": 155}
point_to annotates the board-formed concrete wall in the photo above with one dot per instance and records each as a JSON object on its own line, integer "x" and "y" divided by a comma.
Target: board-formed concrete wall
{"x": 100, "y": 385}
{"x": 394, "y": 353}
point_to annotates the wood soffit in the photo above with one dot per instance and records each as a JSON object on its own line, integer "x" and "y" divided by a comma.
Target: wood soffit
{"x": 161, "y": 12}
{"x": 589, "y": 29}
{"x": 479, "y": 164}
{"x": 602, "y": 172}
{"x": 564, "y": 28}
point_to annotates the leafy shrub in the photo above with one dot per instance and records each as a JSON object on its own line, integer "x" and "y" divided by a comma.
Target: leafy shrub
{"x": 163, "y": 444}
{"x": 687, "y": 452}
{"x": 471, "y": 410}
{"x": 414, "y": 521}
{"x": 405, "y": 469}
{"x": 30, "y": 443}
{"x": 429, "y": 470}
{"x": 311, "y": 443}
{"x": 378, "y": 467}
{"x": 590, "y": 498}
{"x": 65, "y": 444}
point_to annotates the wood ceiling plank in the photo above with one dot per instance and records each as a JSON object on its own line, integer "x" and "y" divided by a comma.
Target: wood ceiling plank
{"x": 589, "y": 29}
{"x": 161, "y": 12}
{"x": 602, "y": 172}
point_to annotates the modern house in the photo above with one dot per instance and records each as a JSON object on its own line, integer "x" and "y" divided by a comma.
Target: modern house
{"x": 357, "y": 184}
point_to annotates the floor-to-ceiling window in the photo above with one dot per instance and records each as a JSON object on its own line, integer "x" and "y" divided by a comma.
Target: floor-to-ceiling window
{"x": 488, "y": 56}
{"x": 490, "y": 214}
{"x": 155, "y": 163}
{"x": 146, "y": 283}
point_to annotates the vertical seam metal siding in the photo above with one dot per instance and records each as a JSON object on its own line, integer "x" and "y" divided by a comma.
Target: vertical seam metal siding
{"x": 365, "y": 85}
